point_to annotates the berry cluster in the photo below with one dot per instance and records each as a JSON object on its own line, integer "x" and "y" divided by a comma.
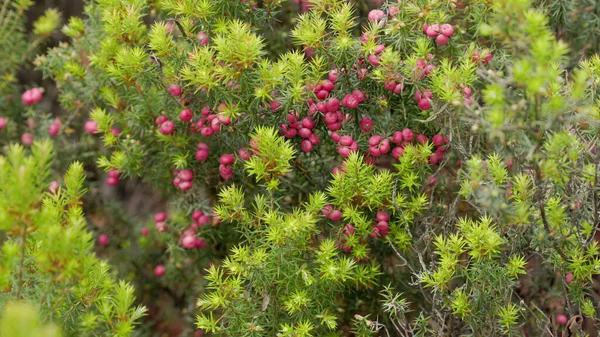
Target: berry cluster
{"x": 441, "y": 33}
{"x": 226, "y": 162}
{"x": 113, "y": 177}
{"x": 32, "y": 96}
{"x": 332, "y": 214}
{"x": 183, "y": 179}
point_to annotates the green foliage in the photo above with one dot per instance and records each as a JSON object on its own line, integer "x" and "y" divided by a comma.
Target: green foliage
{"x": 46, "y": 256}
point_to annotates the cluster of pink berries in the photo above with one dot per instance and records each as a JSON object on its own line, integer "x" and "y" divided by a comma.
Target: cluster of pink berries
{"x": 332, "y": 214}
{"x": 54, "y": 128}
{"x": 113, "y": 177}
{"x": 210, "y": 123}
{"x": 441, "y": 33}
{"x": 202, "y": 152}
{"x": 346, "y": 144}
{"x": 348, "y": 231}
{"x": 32, "y": 96}
{"x": 378, "y": 145}
{"x": 382, "y": 228}
{"x": 423, "y": 99}
{"x": 226, "y": 162}
{"x": 189, "y": 240}
{"x": 159, "y": 220}
{"x": 423, "y": 67}
{"x": 301, "y": 128}
{"x": 183, "y": 179}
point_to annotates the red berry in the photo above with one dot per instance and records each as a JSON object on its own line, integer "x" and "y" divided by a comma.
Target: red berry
{"x": 333, "y": 105}
{"x": 383, "y": 228}
{"x": 186, "y": 115}
{"x": 314, "y": 139}
{"x": 159, "y": 270}
{"x": 207, "y": 131}
{"x": 175, "y": 90}
{"x": 304, "y": 132}
{"x": 185, "y": 185}
{"x": 275, "y": 105}
{"x": 328, "y": 85}
{"x": 202, "y": 37}
{"x": 333, "y": 75}
{"x": 186, "y": 175}
{"x": 103, "y": 240}
{"x": 145, "y": 231}
{"x": 397, "y": 137}
{"x": 308, "y": 123}
{"x": 244, "y": 153}
{"x": 3, "y": 122}
{"x": 188, "y": 242}
{"x": 382, "y": 216}
{"x": 335, "y": 136}
{"x": 424, "y": 104}
{"x": 379, "y": 49}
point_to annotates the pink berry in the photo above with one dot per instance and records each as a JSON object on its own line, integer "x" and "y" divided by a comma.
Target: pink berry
{"x": 188, "y": 242}
{"x": 314, "y": 139}
{"x": 161, "y": 227}
{"x": 333, "y": 75}
{"x": 27, "y": 138}
{"x": 422, "y": 139}
{"x": 328, "y": 85}
{"x": 348, "y": 229}
{"x": 145, "y": 231}
{"x": 166, "y": 128}
{"x": 321, "y": 95}
{"x": 397, "y": 137}
{"x": 227, "y": 159}
{"x": 382, "y": 216}
{"x": 308, "y": 123}
{"x": 397, "y": 152}
{"x": 304, "y": 132}
{"x": 346, "y": 140}
{"x": 207, "y": 131}
{"x": 335, "y": 137}
{"x": 175, "y": 90}
{"x": 91, "y": 126}
{"x": 437, "y": 140}
{"x": 186, "y": 115}
{"x": 185, "y": 185}
{"x": 408, "y": 135}
{"x": 376, "y": 15}
{"x": 374, "y": 140}
{"x": 201, "y": 155}
{"x": 244, "y": 153}
{"x": 161, "y": 119}
{"x": 447, "y": 30}
{"x": 441, "y": 39}
{"x": 160, "y": 217}
{"x": 359, "y": 95}
{"x": 335, "y": 215}
{"x": 32, "y": 96}
{"x": 350, "y": 101}
{"x": 202, "y": 37}
{"x": 306, "y": 146}
{"x": 333, "y": 105}
{"x": 424, "y": 104}
{"x": 103, "y": 240}
{"x": 383, "y": 228}
{"x": 379, "y": 49}
{"x": 374, "y": 60}
{"x": 468, "y": 91}
{"x": 366, "y": 124}
{"x": 569, "y": 278}
{"x": 53, "y": 187}
{"x": 54, "y": 129}
{"x": 186, "y": 175}
{"x": 562, "y": 319}
{"x": 159, "y": 270}
{"x": 433, "y": 30}
{"x": 3, "y": 122}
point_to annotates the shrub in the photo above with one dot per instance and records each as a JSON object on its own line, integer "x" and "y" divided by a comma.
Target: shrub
{"x": 427, "y": 169}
